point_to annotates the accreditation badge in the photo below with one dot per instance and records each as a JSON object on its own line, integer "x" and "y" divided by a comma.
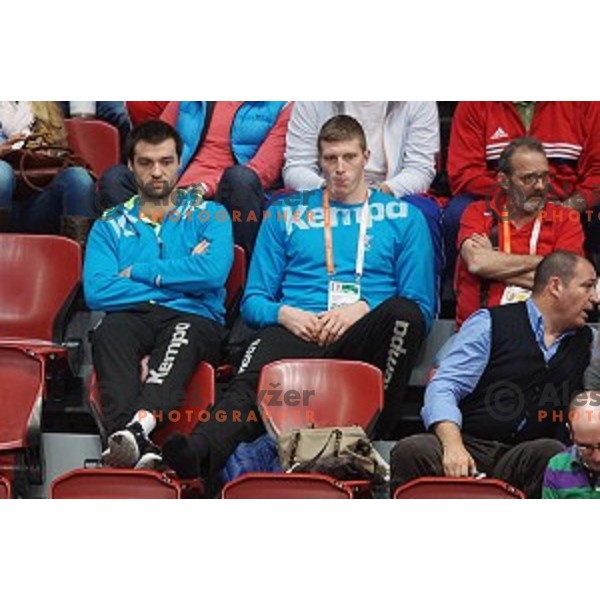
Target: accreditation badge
{"x": 342, "y": 294}
{"x": 513, "y": 294}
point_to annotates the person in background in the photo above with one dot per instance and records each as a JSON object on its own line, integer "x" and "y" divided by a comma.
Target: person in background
{"x": 575, "y": 472}
{"x": 66, "y": 204}
{"x": 570, "y": 134}
{"x": 113, "y": 112}
{"x": 502, "y": 241}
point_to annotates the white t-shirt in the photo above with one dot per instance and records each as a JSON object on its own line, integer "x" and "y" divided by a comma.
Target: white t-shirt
{"x": 371, "y": 115}
{"x": 15, "y": 118}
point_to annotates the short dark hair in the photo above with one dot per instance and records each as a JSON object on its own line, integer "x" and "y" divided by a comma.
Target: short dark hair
{"x": 561, "y": 264}
{"x": 528, "y": 143}
{"x": 153, "y": 132}
{"x": 342, "y": 128}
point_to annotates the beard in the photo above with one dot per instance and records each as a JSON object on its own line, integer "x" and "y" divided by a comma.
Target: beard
{"x": 533, "y": 204}
{"x": 157, "y": 194}
{"x": 529, "y": 204}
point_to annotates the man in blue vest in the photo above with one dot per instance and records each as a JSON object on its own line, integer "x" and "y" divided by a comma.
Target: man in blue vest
{"x": 489, "y": 405}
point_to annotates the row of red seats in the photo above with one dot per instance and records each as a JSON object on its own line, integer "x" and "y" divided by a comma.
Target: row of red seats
{"x": 32, "y": 306}
{"x": 116, "y": 484}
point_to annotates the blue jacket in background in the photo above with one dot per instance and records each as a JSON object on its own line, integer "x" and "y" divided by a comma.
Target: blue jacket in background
{"x": 289, "y": 265}
{"x": 164, "y": 270}
{"x": 252, "y": 123}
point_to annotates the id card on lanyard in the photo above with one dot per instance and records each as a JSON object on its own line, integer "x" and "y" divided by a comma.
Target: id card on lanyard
{"x": 514, "y": 293}
{"x": 342, "y": 293}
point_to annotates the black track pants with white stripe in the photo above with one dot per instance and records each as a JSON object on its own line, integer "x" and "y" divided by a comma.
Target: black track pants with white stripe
{"x": 175, "y": 343}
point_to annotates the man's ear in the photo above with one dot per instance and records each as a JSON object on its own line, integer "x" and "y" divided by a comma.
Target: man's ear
{"x": 555, "y": 285}
{"x": 502, "y": 180}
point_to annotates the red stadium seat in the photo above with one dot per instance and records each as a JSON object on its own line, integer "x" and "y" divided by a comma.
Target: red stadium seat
{"x": 133, "y": 483}
{"x": 115, "y": 484}
{"x": 235, "y": 288}
{"x": 278, "y": 486}
{"x": 299, "y": 393}
{"x": 319, "y": 393}
{"x": 5, "y": 491}
{"x": 95, "y": 141}
{"x": 41, "y": 276}
{"x": 237, "y": 277}
{"x": 457, "y": 488}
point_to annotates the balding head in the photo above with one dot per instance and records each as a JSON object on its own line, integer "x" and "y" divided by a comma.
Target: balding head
{"x": 584, "y": 422}
{"x": 560, "y": 264}
{"x": 564, "y": 290}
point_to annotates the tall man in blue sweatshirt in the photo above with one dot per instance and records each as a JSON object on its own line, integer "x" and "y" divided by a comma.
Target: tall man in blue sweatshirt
{"x": 346, "y": 274}
{"x": 157, "y": 265}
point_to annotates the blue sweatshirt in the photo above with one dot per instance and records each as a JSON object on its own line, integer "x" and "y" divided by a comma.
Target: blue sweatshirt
{"x": 289, "y": 264}
{"x": 163, "y": 269}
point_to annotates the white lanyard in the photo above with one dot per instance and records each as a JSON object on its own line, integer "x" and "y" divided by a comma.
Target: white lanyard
{"x": 535, "y": 236}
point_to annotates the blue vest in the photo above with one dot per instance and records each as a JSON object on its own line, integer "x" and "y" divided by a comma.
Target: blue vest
{"x": 251, "y": 124}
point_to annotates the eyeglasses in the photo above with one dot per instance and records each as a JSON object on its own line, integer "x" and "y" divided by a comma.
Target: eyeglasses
{"x": 587, "y": 448}
{"x": 532, "y": 178}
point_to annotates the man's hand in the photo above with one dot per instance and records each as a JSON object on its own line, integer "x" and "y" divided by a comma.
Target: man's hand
{"x": 457, "y": 462}
{"x": 481, "y": 241}
{"x": 302, "y": 323}
{"x": 201, "y": 248}
{"x": 334, "y": 323}
{"x": 144, "y": 368}
{"x": 386, "y": 189}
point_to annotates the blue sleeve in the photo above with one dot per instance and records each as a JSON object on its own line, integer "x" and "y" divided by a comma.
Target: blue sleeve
{"x": 198, "y": 273}
{"x": 459, "y": 372}
{"x": 415, "y": 265}
{"x": 103, "y": 288}
{"x": 261, "y": 302}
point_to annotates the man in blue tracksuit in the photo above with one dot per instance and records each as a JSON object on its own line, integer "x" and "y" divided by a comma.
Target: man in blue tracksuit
{"x": 157, "y": 265}
{"x": 346, "y": 274}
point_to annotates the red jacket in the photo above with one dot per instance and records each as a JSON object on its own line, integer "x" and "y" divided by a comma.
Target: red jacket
{"x": 570, "y": 132}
